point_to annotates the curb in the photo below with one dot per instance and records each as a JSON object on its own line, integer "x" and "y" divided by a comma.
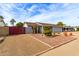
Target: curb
{"x": 54, "y": 47}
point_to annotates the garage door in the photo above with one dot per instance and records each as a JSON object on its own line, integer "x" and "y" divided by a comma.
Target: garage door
{"x": 57, "y": 29}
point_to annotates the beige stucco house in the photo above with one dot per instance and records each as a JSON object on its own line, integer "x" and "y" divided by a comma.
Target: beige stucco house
{"x": 37, "y": 27}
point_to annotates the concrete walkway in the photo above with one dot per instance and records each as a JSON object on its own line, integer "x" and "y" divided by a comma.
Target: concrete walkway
{"x": 69, "y": 49}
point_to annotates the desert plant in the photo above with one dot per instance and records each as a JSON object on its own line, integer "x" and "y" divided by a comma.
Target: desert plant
{"x": 65, "y": 34}
{"x": 47, "y": 31}
{"x": 70, "y": 34}
{"x": 19, "y": 24}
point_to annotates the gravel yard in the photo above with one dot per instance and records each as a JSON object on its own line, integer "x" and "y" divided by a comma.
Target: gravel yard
{"x": 30, "y": 44}
{"x": 54, "y": 41}
{"x": 69, "y": 49}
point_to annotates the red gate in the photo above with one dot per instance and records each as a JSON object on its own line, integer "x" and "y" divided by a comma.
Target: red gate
{"x": 16, "y": 30}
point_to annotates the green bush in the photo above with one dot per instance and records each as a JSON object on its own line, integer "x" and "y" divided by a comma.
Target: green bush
{"x": 19, "y": 24}
{"x": 47, "y": 31}
{"x": 77, "y": 29}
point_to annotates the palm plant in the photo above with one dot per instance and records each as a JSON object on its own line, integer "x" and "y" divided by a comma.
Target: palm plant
{"x": 12, "y": 22}
{"x": 1, "y": 18}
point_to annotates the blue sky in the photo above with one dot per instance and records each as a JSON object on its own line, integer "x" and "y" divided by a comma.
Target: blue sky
{"x": 41, "y": 12}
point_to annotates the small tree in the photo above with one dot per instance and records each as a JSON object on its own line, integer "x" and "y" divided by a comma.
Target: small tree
{"x": 47, "y": 31}
{"x": 1, "y": 20}
{"x": 60, "y": 24}
{"x": 77, "y": 29}
{"x": 1, "y": 17}
{"x": 12, "y": 22}
{"x": 19, "y": 24}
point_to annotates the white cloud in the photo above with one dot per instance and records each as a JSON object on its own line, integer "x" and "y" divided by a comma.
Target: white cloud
{"x": 32, "y": 8}
{"x": 9, "y": 11}
{"x": 69, "y": 14}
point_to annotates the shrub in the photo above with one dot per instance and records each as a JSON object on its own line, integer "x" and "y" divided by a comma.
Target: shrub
{"x": 70, "y": 34}
{"x": 19, "y": 24}
{"x": 47, "y": 31}
{"x": 77, "y": 29}
{"x": 65, "y": 34}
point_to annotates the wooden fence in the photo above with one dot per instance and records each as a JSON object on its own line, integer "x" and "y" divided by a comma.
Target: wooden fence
{"x": 4, "y": 31}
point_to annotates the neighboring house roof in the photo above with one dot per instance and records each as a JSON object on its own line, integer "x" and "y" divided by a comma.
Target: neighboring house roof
{"x": 2, "y": 23}
{"x": 38, "y": 24}
{"x": 45, "y": 24}
{"x": 30, "y": 24}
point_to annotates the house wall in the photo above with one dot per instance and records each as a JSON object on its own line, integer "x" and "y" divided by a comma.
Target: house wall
{"x": 28, "y": 30}
{"x": 4, "y": 31}
{"x": 56, "y": 29}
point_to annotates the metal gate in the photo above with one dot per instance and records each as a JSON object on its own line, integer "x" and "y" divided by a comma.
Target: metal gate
{"x": 16, "y": 30}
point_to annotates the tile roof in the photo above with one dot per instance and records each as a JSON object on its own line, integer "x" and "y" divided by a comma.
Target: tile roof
{"x": 45, "y": 24}
{"x": 38, "y": 24}
{"x": 31, "y": 23}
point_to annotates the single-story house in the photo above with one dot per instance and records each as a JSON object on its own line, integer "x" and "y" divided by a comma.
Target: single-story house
{"x": 37, "y": 27}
